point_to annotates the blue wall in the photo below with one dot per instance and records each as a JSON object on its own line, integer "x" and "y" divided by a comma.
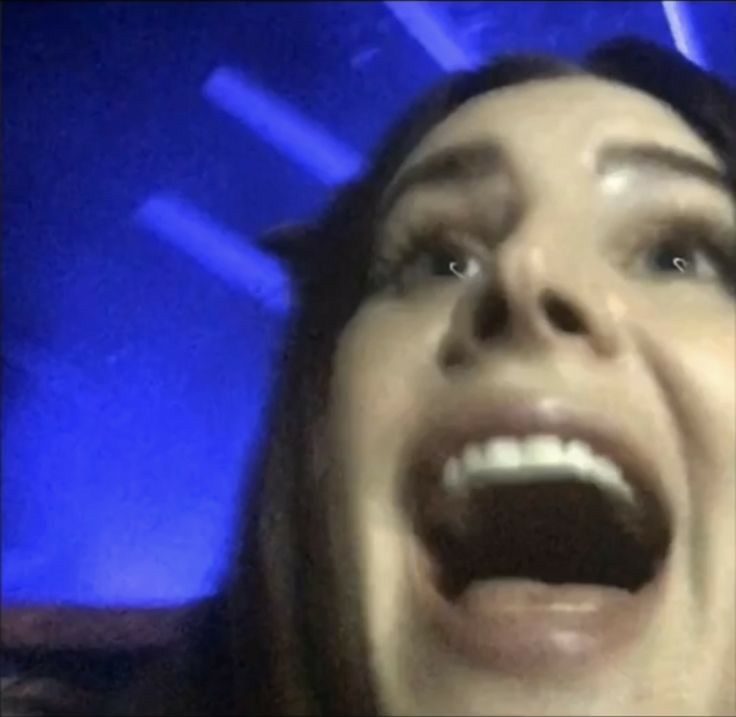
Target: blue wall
{"x": 146, "y": 146}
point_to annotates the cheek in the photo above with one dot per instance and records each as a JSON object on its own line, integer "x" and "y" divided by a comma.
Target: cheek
{"x": 705, "y": 351}
{"x": 386, "y": 368}
{"x": 384, "y": 375}
{"x": 373, "y": 377}
{"x": 696, "y": 338}
{"x": 698, "y": 353}
{"x": 692, "y": 354}
{"x": 380, "y": 369}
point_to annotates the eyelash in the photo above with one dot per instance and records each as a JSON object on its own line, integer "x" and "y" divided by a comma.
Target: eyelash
{"x": 697, "y": 236}
{"x": 429, "y": 242}
{"x": 439, "y": 241}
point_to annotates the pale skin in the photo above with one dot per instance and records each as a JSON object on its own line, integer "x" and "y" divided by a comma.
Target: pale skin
{"x": 657, "y": 351}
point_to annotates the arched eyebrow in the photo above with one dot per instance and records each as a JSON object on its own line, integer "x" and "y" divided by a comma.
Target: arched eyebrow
{"x": 452, "y": 166}
{"x": 661, "y": 160}
{"x": 468, "y": 162}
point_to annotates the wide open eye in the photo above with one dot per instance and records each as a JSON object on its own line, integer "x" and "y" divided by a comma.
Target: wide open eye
{"x": 435, "y": 256}
{"x": 465, "y": 268}
{"x": 693, "y": 253}
{"x": 683, "y": 256}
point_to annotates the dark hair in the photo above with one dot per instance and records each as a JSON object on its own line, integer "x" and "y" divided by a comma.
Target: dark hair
{"x": 285, "y": 636}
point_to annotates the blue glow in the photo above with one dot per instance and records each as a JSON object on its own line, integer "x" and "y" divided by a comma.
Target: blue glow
{"x": 228, "y": 255}
{"x": 422, "y": 23}
{"x": 112, "y": 515}
{"x": 273, "y": 119}
{"x": 140, "y": 332}
{"x": 683, "y": 31}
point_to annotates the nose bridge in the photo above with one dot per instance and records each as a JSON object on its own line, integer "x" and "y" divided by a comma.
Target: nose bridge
{"x": 537, "y": 293}
{"x": 551, "y": 249}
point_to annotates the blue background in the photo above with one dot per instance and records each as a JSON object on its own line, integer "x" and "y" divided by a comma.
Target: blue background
{"x": 145, "y": 148}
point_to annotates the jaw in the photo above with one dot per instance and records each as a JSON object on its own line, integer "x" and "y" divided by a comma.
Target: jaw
{"x": 418, "y": 671}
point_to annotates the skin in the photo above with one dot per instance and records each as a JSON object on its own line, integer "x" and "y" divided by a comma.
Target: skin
{"x": 657, "y": 350}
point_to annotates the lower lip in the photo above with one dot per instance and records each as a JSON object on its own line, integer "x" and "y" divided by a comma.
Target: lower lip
{"x": 525, "y": 627}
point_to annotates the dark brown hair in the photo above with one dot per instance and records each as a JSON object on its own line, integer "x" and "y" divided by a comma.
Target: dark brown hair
{"x": 285, "y": 636}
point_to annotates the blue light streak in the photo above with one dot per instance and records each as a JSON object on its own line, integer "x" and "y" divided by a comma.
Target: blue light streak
{"x": 296, "y": 136}
{"x": 422, "y": 23}
{"x": 683, "y": 31}
{"x": 223, "y": 252}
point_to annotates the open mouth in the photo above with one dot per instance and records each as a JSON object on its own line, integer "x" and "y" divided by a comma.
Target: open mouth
{"x": 555, "y": 524}
{"x": 513, "y": 494}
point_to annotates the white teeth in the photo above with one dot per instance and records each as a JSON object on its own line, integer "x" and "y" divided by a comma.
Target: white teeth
{"x": 579, "y": 455}
{"x": 611, "y": 476}
{"x": 542, "y": 451}
{"x": 452, "y": 476}
{"x": 505, "y": 459}
{"x": 473, "y": 459}
{"x": 503, "y": 453}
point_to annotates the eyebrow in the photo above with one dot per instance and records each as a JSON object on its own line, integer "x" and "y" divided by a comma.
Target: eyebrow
{"x": 451, "y": 166}
{"x": 661, "y": 159}
{"x": 477, "y": 160}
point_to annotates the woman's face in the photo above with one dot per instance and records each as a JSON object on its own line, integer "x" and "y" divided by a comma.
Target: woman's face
{"x": 535, "y": 416}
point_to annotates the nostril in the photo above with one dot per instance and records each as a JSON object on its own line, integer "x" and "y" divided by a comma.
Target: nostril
{"x": 488, "y": 320}
{"x": 562, "y": 316}
{"x": 491, "y": 318}
{"x": 454, "y": 356}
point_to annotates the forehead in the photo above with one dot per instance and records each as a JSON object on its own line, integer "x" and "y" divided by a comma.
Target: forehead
{"x": 572, "y": 117}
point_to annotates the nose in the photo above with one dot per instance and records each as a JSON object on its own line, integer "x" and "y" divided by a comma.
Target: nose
{"x": 531, "y": 300}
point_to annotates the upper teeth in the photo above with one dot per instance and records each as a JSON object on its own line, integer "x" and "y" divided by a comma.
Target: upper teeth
{"x": 530, "y": 459}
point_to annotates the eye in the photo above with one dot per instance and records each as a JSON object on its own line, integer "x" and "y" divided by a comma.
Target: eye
{"x": 683, "y": 248}
{"x": 435, "y": 255}
{"x": 684, "y": 257}
{"x": 465, "y": 268}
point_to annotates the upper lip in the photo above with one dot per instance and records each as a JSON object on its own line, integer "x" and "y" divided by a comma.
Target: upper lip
{"x": 460, "y": 422}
